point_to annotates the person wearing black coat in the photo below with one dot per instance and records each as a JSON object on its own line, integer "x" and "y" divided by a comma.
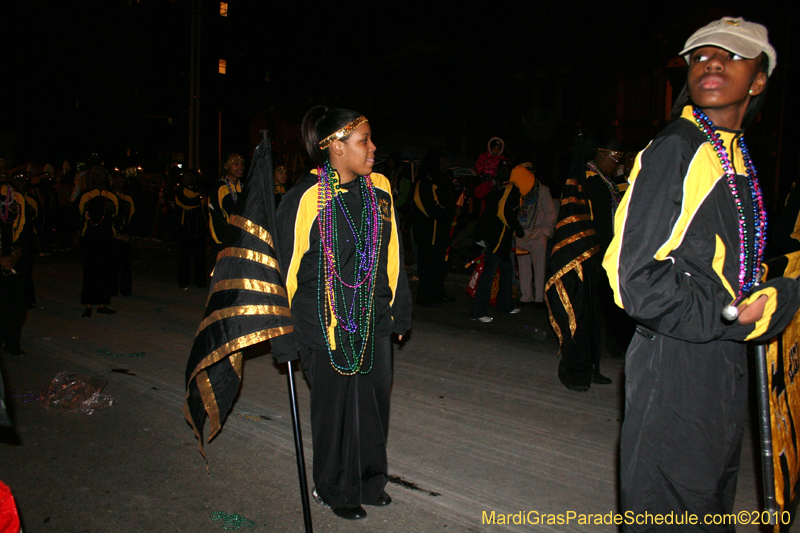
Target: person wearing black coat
{"x": 434, "y": 212}
{"x": 498, "y": 224}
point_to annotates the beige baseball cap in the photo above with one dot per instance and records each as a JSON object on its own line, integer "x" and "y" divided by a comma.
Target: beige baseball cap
{"x": 747, "y": 39}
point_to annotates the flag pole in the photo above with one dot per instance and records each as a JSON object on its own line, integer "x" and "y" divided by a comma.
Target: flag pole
{"x": 298, "y": 439}
{"x": 298, "y": 446}
{"x": 765, "y": 432}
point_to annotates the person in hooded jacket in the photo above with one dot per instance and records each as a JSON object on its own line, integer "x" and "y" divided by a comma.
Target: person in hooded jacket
{"x": 486, "y": 168}
{"x": 496, "y": 228}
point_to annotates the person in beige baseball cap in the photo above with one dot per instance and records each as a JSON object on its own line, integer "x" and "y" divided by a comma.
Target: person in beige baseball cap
{"x": 730, "y": 61}
{"x": 747, "y": 39}
{"x": 689, "y": 239}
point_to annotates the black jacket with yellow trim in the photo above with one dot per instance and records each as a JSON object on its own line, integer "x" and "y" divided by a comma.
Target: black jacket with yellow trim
{"x": 98, "y": 213}
{"x": 674, "y": 261}
{"x": 34, "y": 221}
{"x": 299, "y": 244}
{"x": 500, "y": 220}
{"x": 14, "y": 224}
{"x": 190, "y": 202}
{"x": 221, "y": 205}
{"x": 125, "y": 214}
{"x": 434, "y": 210}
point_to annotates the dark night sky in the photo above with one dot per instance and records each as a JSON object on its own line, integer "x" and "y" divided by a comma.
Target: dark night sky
{"x": 105, "y": 74}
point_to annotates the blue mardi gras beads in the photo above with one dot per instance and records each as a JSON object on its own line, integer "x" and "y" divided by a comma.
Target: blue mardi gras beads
{"x": 754, "y": 254}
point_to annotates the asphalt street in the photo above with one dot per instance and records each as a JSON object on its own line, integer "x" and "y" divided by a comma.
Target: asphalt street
{"x": 480, "y": 424}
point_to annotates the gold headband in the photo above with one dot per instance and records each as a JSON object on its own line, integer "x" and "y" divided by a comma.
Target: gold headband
{"x": 344, "y": 132}
{"x": 237, "y": 159}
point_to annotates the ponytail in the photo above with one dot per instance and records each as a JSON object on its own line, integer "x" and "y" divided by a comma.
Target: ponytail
{"x": 308, "y": 130}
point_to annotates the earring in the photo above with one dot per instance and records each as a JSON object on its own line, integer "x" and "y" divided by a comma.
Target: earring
{"x": 750, "y": 92}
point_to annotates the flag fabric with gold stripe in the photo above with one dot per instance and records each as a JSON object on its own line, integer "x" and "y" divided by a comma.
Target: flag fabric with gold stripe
{"x": 784, "y": 406}
{"x": 247, "y": 302}
{"x": 783, "y": 387}
{"x": 574, "y": 242}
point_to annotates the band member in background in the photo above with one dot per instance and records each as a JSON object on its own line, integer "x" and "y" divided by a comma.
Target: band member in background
{"x": 223, "y": 198}
{"x": 192, "y": 232}
{"x": 98, "y": 209}
{"x": 13, "y": 229}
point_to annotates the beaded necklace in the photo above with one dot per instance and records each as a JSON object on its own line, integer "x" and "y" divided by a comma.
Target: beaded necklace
{"x": 757, "y": 201}
{"x": 530, "y": 207}
{"x": 5, "y": 213}
{"x": 355, "y": 315}
{"x": 105, "y": 208}
{"x": 616, "y": 196}
{"x": 231, "y": 189}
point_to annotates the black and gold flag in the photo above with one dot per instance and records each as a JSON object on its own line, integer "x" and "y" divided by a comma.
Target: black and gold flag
{"x": 247, "y": 302}
{"x": 574, "y": 242}
{"x": 778, "y": 389}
